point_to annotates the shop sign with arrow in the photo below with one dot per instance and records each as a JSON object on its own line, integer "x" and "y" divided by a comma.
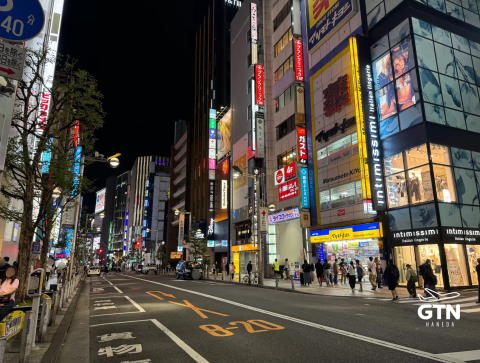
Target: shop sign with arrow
{"x": 12, "y": 61}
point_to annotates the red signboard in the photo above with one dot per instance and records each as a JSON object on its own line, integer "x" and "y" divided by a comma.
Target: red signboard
{"x": 298, "y": 60}
{"x": 279, "y": 177}
{"x": 44, "y": 106}
{"x": 259, "y": 85}
{"x": 288, "y": 190}
{"x": 335, "y": 95}
{"x": 341, "y": 212}
{"x": 302, "y": 145}
{"x": 290, "y": 171}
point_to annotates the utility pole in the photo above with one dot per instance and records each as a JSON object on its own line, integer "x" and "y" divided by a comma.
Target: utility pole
{"x": 259, "y": 234}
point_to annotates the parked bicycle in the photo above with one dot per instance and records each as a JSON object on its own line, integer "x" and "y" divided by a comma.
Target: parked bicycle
{"x": 251, "y": 279}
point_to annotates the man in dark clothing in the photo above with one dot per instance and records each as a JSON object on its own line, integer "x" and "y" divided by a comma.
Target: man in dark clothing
{"x": 4, "y": 265}
{"x": 392, "y": 275}
{"x": 249, "y": 270}
{"x": 319, "y": 271}
{"x": 478, "y": 279}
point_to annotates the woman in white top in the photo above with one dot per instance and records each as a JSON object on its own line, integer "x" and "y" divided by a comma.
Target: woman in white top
{"x": 351, "y": 275}
{"x": 7, "y": 292}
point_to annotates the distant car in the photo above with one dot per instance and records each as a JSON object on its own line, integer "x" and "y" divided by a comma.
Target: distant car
{"x": 150, "y": 267}
{"x": 191, "y": 270}
{"x": 139, "y": 269}
{"x": 92, "y": 270}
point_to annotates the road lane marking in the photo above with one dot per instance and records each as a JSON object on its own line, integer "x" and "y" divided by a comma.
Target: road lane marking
{"x": 471, "y": 310}
{"x": 197, "y": 310}
{"x": 140, "y": 309}
{"x": 161, "y": 293}
{"x": 107, "y": 281}
{"x": 120, "y": 322}
{"x": 378, "y": 342}
{"x": 128, "y": 312}
{"x": 105, "y": 308}
{"x": 193, "y": 354}
{"x": 116, "y": 288}
{"x": 463, "y": 356}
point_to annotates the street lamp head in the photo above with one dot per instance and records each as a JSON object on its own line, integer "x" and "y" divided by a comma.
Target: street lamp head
{"x": 237, "y": 172}
{"x": 56, "y": 192}
{"x": 177, "y": 212}
{"x": 114, "y": 163}
{"x": 148, "y": 230}
{"x": 199, "y": 230}
{"x": 271, "y": 207}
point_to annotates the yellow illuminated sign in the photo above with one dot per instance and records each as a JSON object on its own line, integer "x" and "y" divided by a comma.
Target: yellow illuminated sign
{"x": 249, "y": 247}
{"x": 362, "y": 141}
{"x": 12, "y": 324}
{"x": 317, "y": 9}
{"x": 372, "y": 230}
{"x": 236, "y": 262}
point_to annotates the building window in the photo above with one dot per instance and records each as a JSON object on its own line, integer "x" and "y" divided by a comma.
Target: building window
{"x": 342, "y": 196}
{"x": 286, "y": 158}
{"x": 287, "y": 96}
{"x": 282, "y": 43}
{"x": 283, "y": 69}
{"x": 282, "y": 15}
{"x": 285, "y": 127}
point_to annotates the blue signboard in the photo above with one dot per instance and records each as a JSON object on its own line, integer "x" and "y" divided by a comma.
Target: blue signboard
{"x": 21, "y": 19}
{"x": 76, "y": 168}
{"x": 304, "y": 188}
{"x": 46, "y": 158}
{"x": 213, "y": 133}
{"x": 68, "y": 240}
{"x": 320, "y": 253}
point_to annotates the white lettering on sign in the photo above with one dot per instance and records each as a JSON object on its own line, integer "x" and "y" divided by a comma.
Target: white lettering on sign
{"x": 224, "y": 194}
{"x": 113, "y": 336}
{"x": 298, "y": 60}
{"x": 253, "y": 20}
{"x": 122, "y": 349}
{"x": 236, "y": 3}
{"x": 374, "y": 141}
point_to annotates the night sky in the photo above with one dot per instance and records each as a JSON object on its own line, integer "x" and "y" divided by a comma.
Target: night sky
{"x": 144, "y": 60}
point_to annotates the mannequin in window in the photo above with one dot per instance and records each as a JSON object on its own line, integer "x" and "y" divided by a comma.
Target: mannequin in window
{"x": 416, "y": 189}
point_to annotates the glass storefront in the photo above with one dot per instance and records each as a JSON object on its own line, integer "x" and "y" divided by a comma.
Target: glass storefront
{"x": 473, "y": 253}
{"x": 352, "y": 250}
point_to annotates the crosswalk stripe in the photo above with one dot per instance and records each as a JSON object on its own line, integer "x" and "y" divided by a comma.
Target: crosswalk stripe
{"x": 461, "y": 305}
{"x": 470, "y": 310}
{"x": 453, "y": 301}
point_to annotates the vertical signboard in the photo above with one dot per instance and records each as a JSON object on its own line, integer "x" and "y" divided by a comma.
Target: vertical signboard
{"x": 300, "y": 109}
{"x": 76, "y": 169}
{"x": 260, "y": 118}
{"x": 254, "y": 122}
{"x": 224, "y": 194}
{"x": 304, "y": 187}
{"x": 371, "y": 124}
{"x": 181, "y": 230}
{"x": 302, "y": 145}
{"x": 100, "y": 203}
{"x": 253, "y": 22}
{"x": 259, "y": 100}
{"x": 297, "y": 51}
{"x": 240, "y": 185}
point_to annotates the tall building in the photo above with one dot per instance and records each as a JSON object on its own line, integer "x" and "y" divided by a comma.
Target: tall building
{"x": 392, "y": 111}
{"x": 180, "y": 179}
{"x": 120, "y": 222}
{"x": 212, "y": 95}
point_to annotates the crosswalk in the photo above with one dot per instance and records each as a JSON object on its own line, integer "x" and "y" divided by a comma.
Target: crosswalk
{"x": 467, "y": 304}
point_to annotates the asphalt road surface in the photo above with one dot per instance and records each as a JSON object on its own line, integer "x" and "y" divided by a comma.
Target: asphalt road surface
{"x": 148, "y": 318}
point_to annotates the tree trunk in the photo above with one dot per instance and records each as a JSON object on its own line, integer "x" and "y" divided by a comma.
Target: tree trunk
{"x": 25, "y": 243}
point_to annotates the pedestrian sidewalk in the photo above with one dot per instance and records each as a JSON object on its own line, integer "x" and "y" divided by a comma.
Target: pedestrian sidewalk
{"x": 315, "y": 289}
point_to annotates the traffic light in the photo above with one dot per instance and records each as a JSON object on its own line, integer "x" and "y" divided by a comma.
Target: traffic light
{"x": 138, "y": 244}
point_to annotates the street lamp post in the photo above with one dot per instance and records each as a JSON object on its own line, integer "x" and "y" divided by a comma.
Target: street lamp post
{"x": 156, "y": 239}
{"x": 239, "y": 173}
{"x": 177, "y": 213}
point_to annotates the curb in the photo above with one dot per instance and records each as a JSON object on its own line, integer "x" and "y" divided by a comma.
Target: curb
{"x": 53, "y": 352}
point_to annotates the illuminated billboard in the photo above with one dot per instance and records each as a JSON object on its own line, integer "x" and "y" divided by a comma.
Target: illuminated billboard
{"x": 100, "y": 201}
{"x": 223, "y": 135}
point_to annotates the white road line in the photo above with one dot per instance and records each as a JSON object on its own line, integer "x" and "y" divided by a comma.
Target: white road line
{"x": 451, "y": 302}
{"x": 195, "y": 356}
{"x": 461, "y": 305}
{"x": 463, "y": 356}
{"x": 105, "y": 308}
{"x": 471, "y": 310}
{"x": 107, "y": 281}
{"x": 140, "y": 309}
{"x": 381, "y": 343}
{"x": 120, "y": 322}
{"x": 128, "y": 312}
{"x": 116, "y": 288}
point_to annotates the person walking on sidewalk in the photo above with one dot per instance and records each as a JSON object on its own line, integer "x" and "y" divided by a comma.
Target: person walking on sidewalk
{"x": 276, "y": 269}
{"x": 378, "y": 268}
{"x": 360, "y": 274}
{"x": 306, "y": 273}
{"x": 343, "y": 270}
{"x": 351, "y": 276}
{"x": 326, "y": 272}
{"x": 477, "y": 268}
{"x": 249, "y": 271}
{"x": 286, "y": 268}
{"x": 232, "y": 270}
{"x": 48, "y": 270}
{"x": 430, "y": 280}
{"x": 335, "y": 272}
{"x": 412, "y": 279}
{"x": 372, "y": 273}
{"x": 319, "y": 271}
{"x": 392, "y": 275}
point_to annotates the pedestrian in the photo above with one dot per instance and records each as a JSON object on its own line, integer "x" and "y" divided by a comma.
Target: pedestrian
{"x": 351, "y": 276}
{"x": 286, "y": 268}
{"x": 392, "y": 275}
{"x": 372, "y": 273}
{"x": 48, "y": 269}
{"x": 319, "y": 271}
{"x": 326, "y": 272}
{"x": 302, "y": 279}
{"x": 276, "y": 269}
{"x": 379, "y": 269}
{"x": 360, "y": 274}
{"x": 232, "y": 270}
{"x": 312, "y": 272}
{"x": 343, "y": 270}
{"x": 106, "y": 269}
{"x": 412, "y": 280}
{"x": 430, "y": 280}
{"x": 335, "y": 272}
{"x": 9, "y": 284}
{"x": 477, "y": 268}
{"x": 306, "y": 273}
{"x": 249, "y": 270}
{"x": 421, "y": 272}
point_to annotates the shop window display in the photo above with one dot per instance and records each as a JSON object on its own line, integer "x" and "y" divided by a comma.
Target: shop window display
{"x": 444, "y": 183}
{"x": 424, "y": 216}
{"x": 456, "y": 265}
{"x": 431, "y": 252}
{"x": 404, "y": 255}
{"x": 352, "y": 250}
{"x": 473, "y": 253}
{"x": 420, "y": 187}
{"x": 466, "y": 10}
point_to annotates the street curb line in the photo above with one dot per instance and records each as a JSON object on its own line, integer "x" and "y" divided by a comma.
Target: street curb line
{"x": 53, "y": 352}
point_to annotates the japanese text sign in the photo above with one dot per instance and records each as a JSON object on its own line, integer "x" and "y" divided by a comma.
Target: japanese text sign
{"x": 288, "y": 190}
{"x": 259, "y": 85}
{"x": 304, "y": 188}
{"x": 284, "y": 216}
{"x": 335, "y": 95}
{"x": 302, "y": 145}
{"x": 298, "y": 60}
